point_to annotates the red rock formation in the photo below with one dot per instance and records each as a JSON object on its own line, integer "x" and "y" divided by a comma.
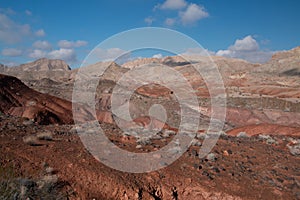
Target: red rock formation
{"x": 19, "y": 100}
{"x": 266, "y": 129}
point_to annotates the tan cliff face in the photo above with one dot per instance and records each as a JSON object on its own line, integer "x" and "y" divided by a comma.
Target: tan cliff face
{"x": 39, "y": 69}
{"x": 141, "y": 61}
{"x": 289, "y": 54}
{"x": 284, "y": 63}
{"x": 45, "y": 64}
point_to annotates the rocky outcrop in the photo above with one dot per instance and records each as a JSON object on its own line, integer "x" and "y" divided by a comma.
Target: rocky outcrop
{"x": 138, "y": 62}
{"x": 45, "y": 64}
{"x": 284, "y": 63}
{"x": 19, "y": 100}
{"x": 42, "y": 68}
{"x": 266, "y": 129}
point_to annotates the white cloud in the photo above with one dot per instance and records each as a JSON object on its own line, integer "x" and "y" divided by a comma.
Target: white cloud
{"x": 42, "y": 49}
{"x": 170, "y": 21}
{"x": 157, "y": 56}
{"x": 11, "y": 52}
{"x": 12, "y": 32}
{"x": 42, "y": 45}
{"x": 7, "y": 11}
{"x": 71, "y": 44}
{"x": 37, "y": 53}
{"x": 226, "y": 53}
{"x": 246, "y": 44}
{"x": 192, "y": 14}
{"x": 173, "y": 5}
{"x": 40, "y": 33}
{"x": 28, "y": 12}
{"x": 67, "y": 55}
{"x": 247, "y": 49}
{"x": 187, "y": 13}
{"x": 149, "y": 20}
{"x": 109, "y": 54}
{"x": 198, "y": 51}
{"x": 8, "y": 62}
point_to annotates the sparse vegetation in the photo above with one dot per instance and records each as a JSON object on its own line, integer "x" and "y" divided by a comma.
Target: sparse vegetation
{"x": 48, "y": 136}
{"x": 31, "y": 140}
{"x": 48, "y": 187}
{"x": 268, "y": 139}
{"x": 144, "y": 141}
{"x": 7, "y": 179}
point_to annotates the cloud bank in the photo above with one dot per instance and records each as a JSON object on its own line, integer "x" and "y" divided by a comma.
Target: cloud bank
{"x": 187, "y": 13}
{"x": 172, "y": 5}
{"x": 192, "y": 14}
{"x": 11, "y": 52}
{"x": 246, "y": 49}
{"x": 71, "y": 44}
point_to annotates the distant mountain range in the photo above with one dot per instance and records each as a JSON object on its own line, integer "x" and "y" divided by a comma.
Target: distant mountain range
{"x": 273, "y": 86}
{"x": 281, "y": 63}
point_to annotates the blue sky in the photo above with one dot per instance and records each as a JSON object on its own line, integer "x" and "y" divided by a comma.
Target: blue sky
{"x": 251, "y": 30}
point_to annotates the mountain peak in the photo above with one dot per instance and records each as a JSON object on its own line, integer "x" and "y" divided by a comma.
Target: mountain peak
{"x": 295, "y": 52}
{"x": 45, "y": 64}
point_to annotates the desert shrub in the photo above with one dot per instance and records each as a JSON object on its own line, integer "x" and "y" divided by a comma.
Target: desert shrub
{"x": 7, "y": 183}
{"x": 31, "y": 140}
{"x": 45, "y": 136}
{"x": 47, "y": 187}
